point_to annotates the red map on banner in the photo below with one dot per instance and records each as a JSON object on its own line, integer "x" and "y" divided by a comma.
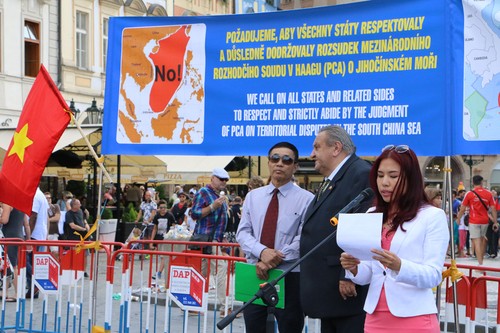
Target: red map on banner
{"x": 162, "y": 95}
{"x": 168, "y": 58}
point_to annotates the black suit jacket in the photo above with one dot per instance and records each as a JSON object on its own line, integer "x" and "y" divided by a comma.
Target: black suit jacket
{"x": 321, "y": 271}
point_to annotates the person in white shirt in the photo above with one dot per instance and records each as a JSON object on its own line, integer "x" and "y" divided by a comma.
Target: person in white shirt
{"x": 281, "y": 250}
{"x": 38, "y": 221}
{"x": 39, "y": 216}
{"x": 413, "y": 248}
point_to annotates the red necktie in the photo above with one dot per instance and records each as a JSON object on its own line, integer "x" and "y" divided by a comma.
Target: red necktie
{"x": 270, "y": 222}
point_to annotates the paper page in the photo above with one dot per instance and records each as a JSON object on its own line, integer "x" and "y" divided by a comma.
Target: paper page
{"x": 358, "y": 234}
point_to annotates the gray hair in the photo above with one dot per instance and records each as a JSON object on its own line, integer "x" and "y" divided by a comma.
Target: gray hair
{"x": 337, "y": 133}
{"x": 73, "y": 202}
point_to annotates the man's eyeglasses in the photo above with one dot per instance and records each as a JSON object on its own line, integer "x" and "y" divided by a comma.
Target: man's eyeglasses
{"x": 223, "y": 179}
{"x": 401, "y": 149}
{"x": 163, "y": 207}
{"x": 285, "y": 159}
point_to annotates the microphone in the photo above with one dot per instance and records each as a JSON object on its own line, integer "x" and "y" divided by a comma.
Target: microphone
{"x": 265, "y": 289}
{"x": 366, "y": 194}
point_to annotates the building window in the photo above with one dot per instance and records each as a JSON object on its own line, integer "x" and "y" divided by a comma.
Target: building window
{"x": 82, "y": 39}
{"x": 105, "y": 23}
{"x": 31, "y": 48}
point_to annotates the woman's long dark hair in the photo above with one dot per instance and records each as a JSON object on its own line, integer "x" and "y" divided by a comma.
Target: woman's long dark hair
{"x": 408, "y": 195}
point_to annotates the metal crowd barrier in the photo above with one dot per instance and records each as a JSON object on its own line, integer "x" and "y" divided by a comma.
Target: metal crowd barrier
{"x": 478, "y": 308}
{"x": 60, "y": 298}
{"x": 117, "y": 296}
{"x": 121, "y": 295}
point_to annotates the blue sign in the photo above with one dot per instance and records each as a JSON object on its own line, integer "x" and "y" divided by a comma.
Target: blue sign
{"x": 389, "y": 72}
{"x": 46, "y": 285}
{"x": 186, "y": 300}
{"x": 187, "y": 287}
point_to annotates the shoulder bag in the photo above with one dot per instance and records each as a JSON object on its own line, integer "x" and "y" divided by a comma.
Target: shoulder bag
{"x": 203, "y": 238}
{"x": 485, "y": 207}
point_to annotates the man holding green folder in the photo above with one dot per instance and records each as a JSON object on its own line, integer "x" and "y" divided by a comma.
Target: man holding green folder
{"x": 269, "y": 234}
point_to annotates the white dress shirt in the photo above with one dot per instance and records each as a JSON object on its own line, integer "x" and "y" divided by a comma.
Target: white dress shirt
{"x": 293, "y": 202}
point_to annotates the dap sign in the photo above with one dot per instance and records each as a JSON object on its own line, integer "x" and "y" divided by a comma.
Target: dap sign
{"x": 46, "y": 272}
{"x": 187, "y": 287}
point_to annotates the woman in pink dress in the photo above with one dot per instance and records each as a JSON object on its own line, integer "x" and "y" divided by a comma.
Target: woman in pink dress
{"x": 414, "y": 241}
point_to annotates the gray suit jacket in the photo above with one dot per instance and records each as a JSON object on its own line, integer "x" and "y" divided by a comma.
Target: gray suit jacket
{"x": 321, "y": 271}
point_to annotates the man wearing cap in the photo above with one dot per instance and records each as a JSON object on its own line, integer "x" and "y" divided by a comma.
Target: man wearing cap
{"x": 192, "y": 192}
{"x": 179, "y": 209}
{"x": 210, "y": 211}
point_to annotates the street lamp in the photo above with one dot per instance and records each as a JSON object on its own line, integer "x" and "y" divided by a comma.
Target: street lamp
{"x": 94, "y": 113}
{"x": 472, "y": 160}
{"x": 73, "y": 109}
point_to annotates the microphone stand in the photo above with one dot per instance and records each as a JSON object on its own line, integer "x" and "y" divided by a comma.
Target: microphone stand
{"x": 267, "y": 291}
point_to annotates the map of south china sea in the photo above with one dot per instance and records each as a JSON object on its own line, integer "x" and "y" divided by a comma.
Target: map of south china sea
{"x": 481, "y": 70}
{"x": 162, "y": 97}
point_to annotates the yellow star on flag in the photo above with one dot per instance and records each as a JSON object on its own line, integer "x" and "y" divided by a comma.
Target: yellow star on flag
{"x": 21, "y": 142}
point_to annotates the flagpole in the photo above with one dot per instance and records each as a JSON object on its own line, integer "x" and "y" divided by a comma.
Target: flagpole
{"x": 452, "y": 272}
{"x": 449, "y": 210}
{"x": 99, "y": 160}
{"x": 102, "y": 170}
{"x": 95, "y": 268}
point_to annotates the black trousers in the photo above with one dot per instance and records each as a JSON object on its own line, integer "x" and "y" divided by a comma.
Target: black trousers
{"x": 492, "y": 240}
{"x": 290, "y": 319}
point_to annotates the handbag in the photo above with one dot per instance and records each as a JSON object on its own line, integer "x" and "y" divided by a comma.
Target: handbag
{"x": 204, "y": 238}
{"x": 485, "y": 207}
{"x": 201, "y": 238}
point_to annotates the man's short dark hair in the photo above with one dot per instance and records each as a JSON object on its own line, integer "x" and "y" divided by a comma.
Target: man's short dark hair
{"x": 477, "y": 180}
{"x": 286, "y": 145}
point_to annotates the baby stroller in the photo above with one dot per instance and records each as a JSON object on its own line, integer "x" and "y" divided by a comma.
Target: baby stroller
{"x": 135, "y": 234}
{"x": 5, "y": 265}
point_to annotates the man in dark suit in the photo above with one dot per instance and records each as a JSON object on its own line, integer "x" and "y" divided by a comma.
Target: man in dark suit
{"x": 325, "y": 292}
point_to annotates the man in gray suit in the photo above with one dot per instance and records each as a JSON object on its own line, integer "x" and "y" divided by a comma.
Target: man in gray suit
{"x": 325, "y": 292}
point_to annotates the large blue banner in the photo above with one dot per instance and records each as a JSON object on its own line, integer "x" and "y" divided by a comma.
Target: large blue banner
{"x": 387, "y": 71}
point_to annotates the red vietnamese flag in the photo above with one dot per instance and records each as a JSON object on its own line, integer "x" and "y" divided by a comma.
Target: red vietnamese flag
{"x": 43, "y": 120}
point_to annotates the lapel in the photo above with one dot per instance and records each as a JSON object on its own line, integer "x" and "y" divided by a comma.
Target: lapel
{"x": 315, "y": 204}
{"x": 399, "y": 239}
{"x": 400, "y": 236}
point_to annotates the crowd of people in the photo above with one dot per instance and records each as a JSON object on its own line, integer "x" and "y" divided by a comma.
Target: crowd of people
{"x": 278, "y": 223}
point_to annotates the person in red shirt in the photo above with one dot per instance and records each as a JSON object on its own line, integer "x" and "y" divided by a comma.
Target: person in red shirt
{"x": 479, "y": 216}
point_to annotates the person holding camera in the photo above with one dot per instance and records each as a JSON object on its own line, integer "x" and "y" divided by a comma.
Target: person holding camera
{"x": 210, "y": 211}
